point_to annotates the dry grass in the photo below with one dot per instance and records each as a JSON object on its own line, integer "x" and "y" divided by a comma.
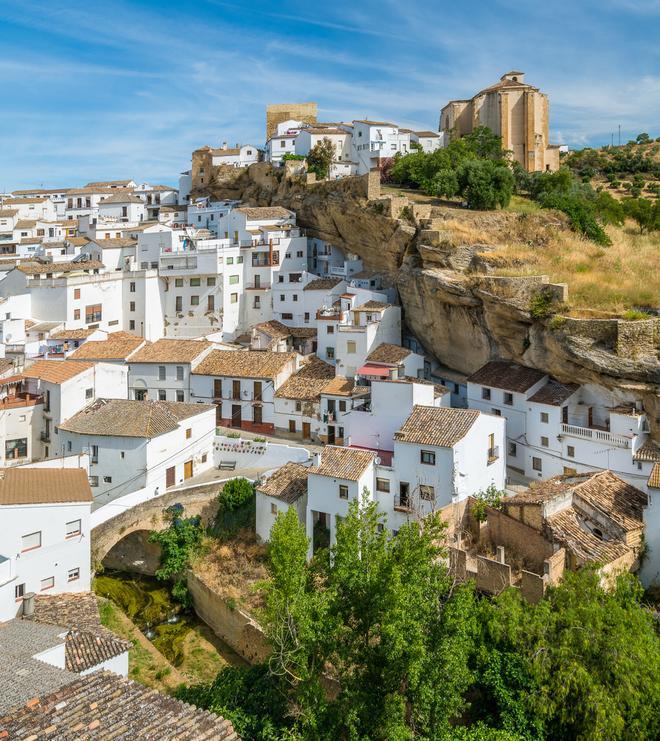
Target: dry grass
{"x": 234, "y": 568}
{"x": 601, "y": 280}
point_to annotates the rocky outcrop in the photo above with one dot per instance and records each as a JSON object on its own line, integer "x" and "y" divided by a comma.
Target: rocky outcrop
{"x": 462, "y": 316}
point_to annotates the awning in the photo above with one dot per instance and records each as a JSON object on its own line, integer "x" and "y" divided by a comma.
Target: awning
{"x": 373, "y": 370}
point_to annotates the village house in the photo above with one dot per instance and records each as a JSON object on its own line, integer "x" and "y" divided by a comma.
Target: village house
{"x": 242, "y": 386}
{"x": 140, "y": 444}
{"x": 285, "y": 488}
{"x": 337, "y": 399}
{"x": 20, "y": 422}
{"x": 44, "y": 534}
{"x": 275, "y": 336}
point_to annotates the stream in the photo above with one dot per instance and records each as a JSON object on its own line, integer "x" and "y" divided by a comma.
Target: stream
{"x": 148, "y": 603}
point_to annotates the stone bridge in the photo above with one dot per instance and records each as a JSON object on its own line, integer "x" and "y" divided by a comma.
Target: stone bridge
{"x": 149, "y": 515}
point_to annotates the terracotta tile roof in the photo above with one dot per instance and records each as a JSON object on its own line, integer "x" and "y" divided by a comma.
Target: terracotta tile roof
{"x": 34, "y": 268}
{"x": 372, "y": 306}
{"x": 566, "y": 528}
{"x": 171, "y": 351}
{"x": 554, "y": 393}
{"x": 7, "y": 213}
{"x": 72, "y": 609}
{"x": 71, "y": 334}
{"x": 374, "y": 123}
{"x": 44, "y": 486}
{"x": 110, "y": 183}
{"x": 648, "y": 451}
{"x": 388, "y": 353}
{"x": 507, "y": 375}
{"x": 56, "y": 371}
{"x": 274, "y": 329}
{"x": 264, "y": 212}
{"x": 540, "y": 491}
{"x": 308, "y": 382}
{"x": 21, "y": 201}
{"x": 654, "y": 478}
{"x": 117, "y": 346}
{"x": 39, "y": 191}
{"x": 105, "y": 705}
{"x": 439, "y": 426}
{"x": 303, "y": 332}
{"x": 288, "y": 483}
{"x": 340, "y": 386}
{"x": 125, "y": 197}
{"x": 230, "y": 151}
{"x": 115, "y": 243}
{"x": 328, "y": 131}
{"x": 25, "y": 224}
{"x": 424, "y": 134}
{"x": 85, "y": 649}
{"x": 343, "y": 463}
{"x": 128, "y": 418}
{"x": 615, "y": 498}
{"x": 243, "y": 363}
{"x": 321, "y": 284}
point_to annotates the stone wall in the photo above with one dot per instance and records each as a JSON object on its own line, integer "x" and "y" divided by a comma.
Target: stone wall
{"x": 518, "y": 538}
{"x": 277, "y": 113}
{"x": 493, "y": 577}
{"x": 134, "y": 553}
{"x": 635, "y": 339}
{"x": 235, "y": 627}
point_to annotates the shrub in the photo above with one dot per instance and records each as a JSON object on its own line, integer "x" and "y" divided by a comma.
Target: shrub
{"x": 320, "y": 158}
{"x": 485, "y": 184}
{"x": 634, "y": 315}
{"x": 542, "y": 304}
{"x": 491, "y": 497}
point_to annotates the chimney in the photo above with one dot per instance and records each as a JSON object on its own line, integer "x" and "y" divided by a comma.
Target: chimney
{"x": 316, "y": 458}
{"x": 500, "y": 554}
{"x": 28, "y": 604}
{"x": 224, "y": 145}
{"x": 394, "y": 374}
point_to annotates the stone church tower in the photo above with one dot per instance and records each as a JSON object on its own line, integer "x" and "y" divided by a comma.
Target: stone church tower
{"x": 514, "y": 110}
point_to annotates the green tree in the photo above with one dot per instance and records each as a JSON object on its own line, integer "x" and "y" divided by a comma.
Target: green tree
{"x": 644, "y": 212}
{"x": 444, "y": 183}
{"x": 485, "y": 144}
{"x": 485, "y": 184}
{"x": 320, "y": 157}
{"x": 643, "y": 138}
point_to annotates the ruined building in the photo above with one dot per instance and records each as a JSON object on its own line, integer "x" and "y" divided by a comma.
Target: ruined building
{"x": 278, "y": 113}
{"x": 512, "y": 109}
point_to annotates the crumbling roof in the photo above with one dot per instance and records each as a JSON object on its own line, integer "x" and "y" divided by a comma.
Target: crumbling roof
{"x": 288, "y": 483}
{"x": 322, "y": 284}
{"x": 507, "y": 375}
{"x": 343, "y": 463}
{"x": 615, "y": 498}
{"x": 567, "y": 528}
{"x": 258, "y": 213}
{"x": 308, "y": 383}
{"x": 554, "y": 393}
{"x": 388, "y": 353}
{"x": 128, "y": 418}
{"x": 243, "y": 363}
{"x": 171, "y": 351}
{"x": 44, "y": 486}
{"x": 56, "y": 371}
{"x": 105, "y": 705}
{"x": 441, "y": 427}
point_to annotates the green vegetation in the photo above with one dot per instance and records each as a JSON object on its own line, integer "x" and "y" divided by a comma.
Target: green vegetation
{"x": 377, "y": 642}
{"x": 491, "y": 497}
{"x": 289, "y": 156}
{"x": 644, "y": 213}
{"x": 236, "y": 509}
{"x": 617, "y": 163}
{"x": 180, "y": 542}
{"x": 320, "y": 158}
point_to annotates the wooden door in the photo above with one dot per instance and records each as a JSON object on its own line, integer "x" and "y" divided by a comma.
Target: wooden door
{"x": 217, "y": 388}
{"x": 235, "y": 415}
{"x": 210, "y": 303}
{"x": 257, "y": 415}
{"x": 170, "y": 476}
{"x": 292, "y": 425}
{"x": 307, "y": 430}
{"x": 257, "y": 390}
{"x": 331, "y": 435}
{"x": 218, "y": 414}
{"x": 187, "y": 470}
{"x": 236, "y": 389}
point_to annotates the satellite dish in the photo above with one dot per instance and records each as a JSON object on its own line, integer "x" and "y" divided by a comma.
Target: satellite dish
{"x": 377, "y": 460}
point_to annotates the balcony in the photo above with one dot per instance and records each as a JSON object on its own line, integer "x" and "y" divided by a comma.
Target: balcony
{"x": 44, "y": 436}
{"x": 20, "y": 400}
{"x": 402, "y": 503}
{"x": 493, "y": 454}
{"x": 601, "y": 436}
{"x": 7, "y": 569}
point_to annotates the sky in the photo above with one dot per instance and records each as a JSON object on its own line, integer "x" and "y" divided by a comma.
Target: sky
{"x": 126, "y": 89}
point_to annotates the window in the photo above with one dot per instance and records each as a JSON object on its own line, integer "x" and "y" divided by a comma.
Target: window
{"x": 210, "y": 281}
{"x": 161, "y": 372}
{"x": 257, "y": 302}
{"x": 76, "y": 293}
{"x": 16, "y": 448}
{"x": 131, "y": 324}
{"x": 178, "y": 282}
{"x": 570, "y": 451}
{"x": 195, "y": 282}
{"x": 427, "y": 493}
{"x": 383, "y": 485}
{"x": 288, "y": 316}
{"x": 330, "y": 353}
{"x": 204, "y": 457}
{"x": 233, "y": 280}
{"x": 230, "y": 261}
{"x": 342, "y": 406}
{"x": 93, "y": 313}
{"x": 537, "y": 464}
{"x": 162, "y": 395}
{"x": 89, "y": 393}
{"x": 351, "y": 347}
{"x": 239, "y": 260}
{"x": 131, "y": 306}
{"x": 107, "y": 479}
{"x": 282, "y": 297}
{"x": 273, "y": 508}
{"x": 131, "y": 287}
{"x": 233, "y": 298}
{"x": 76, "y": 314}
{"x": 299, "y": 406}
{"x": 73, "y": 528}
{"x": 47, "y": 583}
{"x": 19, "y": 591}
{"x": 188, "y": 433}
{"x": 512, "y": 449}
{"x": 179, "y": 395}
{"x": 331, "y": 329}
{"x": 544, "y": 417}
{"x": 485, "y": 393}
{"x": 295, "y": 296}
{"x": 93, "y": 481}
{"x": 73, "y": 574}
{"x": 508, "y": 398}
{"x": 343, "y": 491}
{"x": 545, "y": 443}
{"x": 31, "y": 541}
{"x": 194, "y": 300}
{"x": 427, "y": 457}
{"x": 496, "y": 412}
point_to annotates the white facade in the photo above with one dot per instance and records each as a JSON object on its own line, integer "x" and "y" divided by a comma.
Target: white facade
{"x": 239, "y": 156}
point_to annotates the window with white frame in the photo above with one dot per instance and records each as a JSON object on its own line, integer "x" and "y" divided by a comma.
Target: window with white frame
{"x": 47, "y": 583}
{"x": 73, "y": 528}
{"x": 31, "y": 541}
{"x": 73, "y": 574}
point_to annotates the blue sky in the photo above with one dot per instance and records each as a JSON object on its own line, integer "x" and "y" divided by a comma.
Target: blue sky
{"x": 108, "y": 90}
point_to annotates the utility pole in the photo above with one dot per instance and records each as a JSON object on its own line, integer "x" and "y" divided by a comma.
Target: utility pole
{"x": 619, "y": 134}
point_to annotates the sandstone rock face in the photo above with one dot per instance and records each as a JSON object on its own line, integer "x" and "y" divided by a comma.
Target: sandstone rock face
{"x": 459, "y": 317}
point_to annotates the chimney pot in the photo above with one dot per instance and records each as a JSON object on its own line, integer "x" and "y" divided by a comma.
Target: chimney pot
{"x": 500, "y": 553}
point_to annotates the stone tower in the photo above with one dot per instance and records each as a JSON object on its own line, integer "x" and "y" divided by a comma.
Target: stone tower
{"x": 276, "y": 113}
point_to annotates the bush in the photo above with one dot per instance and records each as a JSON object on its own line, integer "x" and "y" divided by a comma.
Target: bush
{"x": 542, "y": 305}
{"x": 485, "y": 184}
{"x": 320, "y": 158}
{"x": 235, "y": 494}
{"x": 236, "y": 509}
{"x": 580, "y": 212}
{"x": 644, "y": 212}
{"x": 491, "y": 497}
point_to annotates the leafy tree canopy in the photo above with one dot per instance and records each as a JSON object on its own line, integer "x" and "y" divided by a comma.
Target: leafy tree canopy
{"x": 320, "y": 158}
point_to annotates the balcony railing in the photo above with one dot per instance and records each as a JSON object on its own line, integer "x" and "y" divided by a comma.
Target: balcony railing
{"x": 493, "y": 453}
{"x": 44, "y": 436}
{"x": 587, "y": 433}
{"x": 402, "y": 502}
